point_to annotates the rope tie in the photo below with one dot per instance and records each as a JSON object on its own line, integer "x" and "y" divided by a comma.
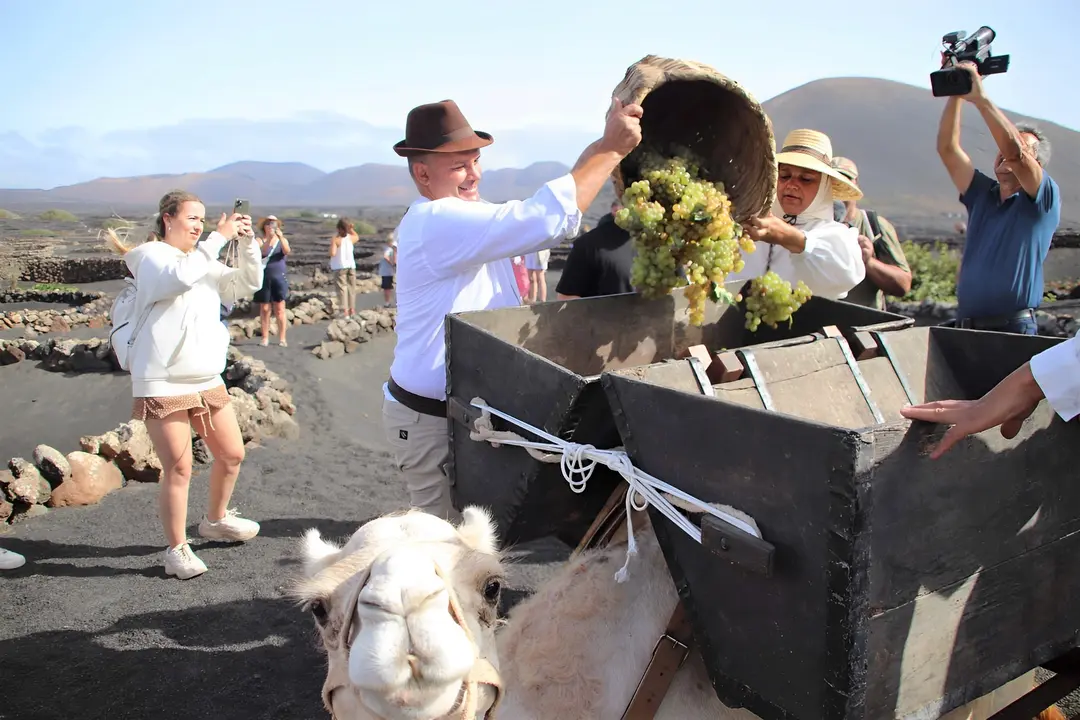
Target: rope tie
{"x": 576, "y": 459}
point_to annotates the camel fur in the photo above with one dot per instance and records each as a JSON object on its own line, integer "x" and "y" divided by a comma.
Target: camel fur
{"x": 575, "y": 649}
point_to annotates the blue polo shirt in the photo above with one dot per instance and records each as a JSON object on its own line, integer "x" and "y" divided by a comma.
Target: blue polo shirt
{"x": 1007, "y": 241}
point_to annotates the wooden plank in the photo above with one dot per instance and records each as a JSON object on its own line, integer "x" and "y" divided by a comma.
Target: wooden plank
{"x": 814, "y": 382}
{"x": 887, "y": 391}
{"x": 928, "y": 373}
{"x": 973, "y": 636}
{"x": 674, "y": 374}
{"x": 784, "y": 473}
{"x": 933, "y": 523}
{"x": 586, "y": 336}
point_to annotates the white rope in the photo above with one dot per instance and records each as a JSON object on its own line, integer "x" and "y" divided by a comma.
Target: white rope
{"x": 576, "y": 459}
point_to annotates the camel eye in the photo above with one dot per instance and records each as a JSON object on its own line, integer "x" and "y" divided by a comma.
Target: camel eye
{"x": 318, "y": 609}
{"x": 492, "y": 590}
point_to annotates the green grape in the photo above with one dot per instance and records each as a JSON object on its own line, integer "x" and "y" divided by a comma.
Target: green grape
{"x": 682, "y": 230}
{"x": 772, "y": 300}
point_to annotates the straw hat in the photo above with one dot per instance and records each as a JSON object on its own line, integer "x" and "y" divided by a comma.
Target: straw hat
{"x": 812, "y": 150}
{"x": 847, "y": 168}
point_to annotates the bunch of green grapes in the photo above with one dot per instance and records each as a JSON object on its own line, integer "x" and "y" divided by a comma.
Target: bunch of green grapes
{"x": 771, "y": 300}
{"x": 682, "y": 230}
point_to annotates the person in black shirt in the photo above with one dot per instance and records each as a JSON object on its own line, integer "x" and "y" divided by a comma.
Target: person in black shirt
{"x": 599, "y": 262}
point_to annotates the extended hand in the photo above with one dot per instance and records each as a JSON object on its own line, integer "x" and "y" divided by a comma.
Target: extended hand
{"x": 1007, "y": 405}
{"x": 775, "y": 231}
{"x": 622, "y": 127}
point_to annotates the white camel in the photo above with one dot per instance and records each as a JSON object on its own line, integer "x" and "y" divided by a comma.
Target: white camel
{"x": 407, "y": 614}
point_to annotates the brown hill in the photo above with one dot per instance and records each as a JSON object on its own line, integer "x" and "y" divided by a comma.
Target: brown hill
{"x": 890, "y": 129}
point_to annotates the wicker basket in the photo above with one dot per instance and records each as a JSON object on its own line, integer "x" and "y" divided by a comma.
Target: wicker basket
{"x": 691, "y": 104}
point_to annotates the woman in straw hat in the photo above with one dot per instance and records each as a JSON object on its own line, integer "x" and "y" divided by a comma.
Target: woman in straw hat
{"x": 800, "y": 240}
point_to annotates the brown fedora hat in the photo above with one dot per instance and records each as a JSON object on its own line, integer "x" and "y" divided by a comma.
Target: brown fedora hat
{"x": 439, "y": 127}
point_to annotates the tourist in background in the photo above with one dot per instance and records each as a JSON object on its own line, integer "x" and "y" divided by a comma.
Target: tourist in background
{"x": 537, "y": 263}
{"x": 388, "y": 269}
{"x": 1011, "y": 219}
{"x": 343, "y": 265}
{"x": 275, "y": 285}
{"x": 887, "y": 270}
{"x": 600, "y": 262}
{"x": 176, "y": 361}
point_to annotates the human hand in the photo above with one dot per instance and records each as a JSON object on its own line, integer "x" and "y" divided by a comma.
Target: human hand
{"x": 622, "y": 128}
{"x": 867, "y": 248}
{"x": 775, "y": 231}
{"x": 977, "y": 93}
{"x": 1007, "y": 405}
{"x": 230, "y": 226}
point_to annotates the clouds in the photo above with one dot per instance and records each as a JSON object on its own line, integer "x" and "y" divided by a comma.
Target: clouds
{"x": 328, "y": 141}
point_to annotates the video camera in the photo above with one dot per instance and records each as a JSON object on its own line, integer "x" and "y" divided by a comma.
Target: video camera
{"x": 975, "y": 48}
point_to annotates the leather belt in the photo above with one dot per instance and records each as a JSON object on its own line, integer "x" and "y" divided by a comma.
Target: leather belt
{"x": 416, "y": 403}
{"x": 985, "y": 323}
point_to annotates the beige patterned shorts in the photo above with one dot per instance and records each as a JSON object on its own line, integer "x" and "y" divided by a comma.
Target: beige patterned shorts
{"x": 199, "y": 406}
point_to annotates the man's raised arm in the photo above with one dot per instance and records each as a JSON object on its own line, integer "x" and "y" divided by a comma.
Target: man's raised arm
{"x": 957, "y": 162}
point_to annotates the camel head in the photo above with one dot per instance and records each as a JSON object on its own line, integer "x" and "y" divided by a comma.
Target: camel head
{"x": 406, "y": 612}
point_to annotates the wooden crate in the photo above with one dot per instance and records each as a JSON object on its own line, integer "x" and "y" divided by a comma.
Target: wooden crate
{"x": 542, "y": 364}
{"x": 899, "y": 587}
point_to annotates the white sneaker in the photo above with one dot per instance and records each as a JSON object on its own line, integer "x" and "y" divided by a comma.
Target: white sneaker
{"x": 232, "y": 528}
{"x": 182, "y": 562}
{"x": 9, "y": 559}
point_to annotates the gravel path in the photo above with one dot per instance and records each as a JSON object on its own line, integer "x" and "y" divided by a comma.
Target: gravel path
{"x": 93, "y": 629}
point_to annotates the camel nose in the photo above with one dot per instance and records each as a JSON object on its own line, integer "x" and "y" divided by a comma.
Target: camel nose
{"x": 406, "y": 629}
{"x": 402, "y": 583}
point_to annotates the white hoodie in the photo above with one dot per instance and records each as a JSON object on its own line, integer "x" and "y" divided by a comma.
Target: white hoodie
{"x": 182, "y": 346}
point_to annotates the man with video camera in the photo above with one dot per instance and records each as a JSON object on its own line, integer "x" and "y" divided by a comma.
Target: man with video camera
{"x": 1011, "y": 219}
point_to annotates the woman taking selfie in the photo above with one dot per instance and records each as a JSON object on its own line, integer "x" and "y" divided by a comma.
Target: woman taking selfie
{"x": 176, "y": 357}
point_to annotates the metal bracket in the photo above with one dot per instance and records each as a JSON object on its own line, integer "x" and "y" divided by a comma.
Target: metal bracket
{"x": 884, "y": 345}
{"x": 462, "y": 413}
{"x": 702, "y": 378}
{"x": 752, "y": 369}
{"x": 860, "y": 380}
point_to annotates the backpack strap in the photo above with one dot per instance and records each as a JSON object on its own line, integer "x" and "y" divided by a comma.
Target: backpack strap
{"x": 872, "y": 216}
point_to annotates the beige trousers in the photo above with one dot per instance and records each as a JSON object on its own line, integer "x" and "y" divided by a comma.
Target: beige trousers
{"x": 421, "y": 445}
{"x": 345, "y": 280}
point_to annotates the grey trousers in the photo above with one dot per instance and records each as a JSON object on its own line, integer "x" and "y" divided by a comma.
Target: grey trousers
{"x": 421, "y": 445}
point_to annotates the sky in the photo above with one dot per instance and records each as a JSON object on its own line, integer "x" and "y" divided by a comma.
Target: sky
{"x": 113, "y": 65}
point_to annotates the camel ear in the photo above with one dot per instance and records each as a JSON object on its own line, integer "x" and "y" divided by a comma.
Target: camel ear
{"x": 477, "y": 530}
{"x": 316, "y": 551}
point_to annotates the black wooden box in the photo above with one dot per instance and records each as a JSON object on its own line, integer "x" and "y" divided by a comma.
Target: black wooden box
{"x": 542, "y": 364}
{"x": 900, "y": 587}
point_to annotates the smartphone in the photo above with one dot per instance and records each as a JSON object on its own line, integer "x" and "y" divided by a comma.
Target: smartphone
{"x": 242, "y": 206}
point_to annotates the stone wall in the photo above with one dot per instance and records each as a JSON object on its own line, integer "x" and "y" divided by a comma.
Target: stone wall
{"x": 261, "y": 399}
{"x": 73, "y": 271}
{"x": 347, "y": 334}
{"x": 91, "y": 309}
{"x": 1053, "y": 324}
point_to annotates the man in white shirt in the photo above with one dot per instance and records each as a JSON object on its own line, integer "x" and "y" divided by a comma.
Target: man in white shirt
{"x": 454, "y": 255}
{"x": 1053, "y": 374}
